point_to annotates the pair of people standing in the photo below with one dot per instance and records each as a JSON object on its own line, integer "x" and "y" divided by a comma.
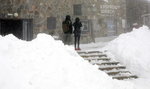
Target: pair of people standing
{"x": 68, "y": 30}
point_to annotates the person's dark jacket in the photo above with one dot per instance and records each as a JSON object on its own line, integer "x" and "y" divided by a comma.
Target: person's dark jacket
{"x": 69, "y": 25}
{"x": 68, "y": 22}
{"x": 77, "y": 27}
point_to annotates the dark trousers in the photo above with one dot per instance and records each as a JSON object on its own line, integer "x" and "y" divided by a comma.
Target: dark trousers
{"x": 67, "y": 38}
{"x": 77, "y": 41}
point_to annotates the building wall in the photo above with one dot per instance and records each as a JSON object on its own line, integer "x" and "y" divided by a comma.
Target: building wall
{"x": 100, "y": 18}
{"x": 135, "y": 10}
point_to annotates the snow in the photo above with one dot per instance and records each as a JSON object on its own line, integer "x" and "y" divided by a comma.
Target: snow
{"x": 45, "y": 63}
{"x": 133, "y": 50}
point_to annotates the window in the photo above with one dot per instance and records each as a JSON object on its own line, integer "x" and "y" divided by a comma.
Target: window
{"x": 77, "y": 9}
{"x": 51, "y": 23}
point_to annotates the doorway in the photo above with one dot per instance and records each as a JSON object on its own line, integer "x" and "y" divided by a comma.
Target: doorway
{"x": 21, "y": 28}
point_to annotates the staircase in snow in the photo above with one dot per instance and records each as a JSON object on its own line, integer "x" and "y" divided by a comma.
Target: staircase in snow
{"x": 111, "y": 67}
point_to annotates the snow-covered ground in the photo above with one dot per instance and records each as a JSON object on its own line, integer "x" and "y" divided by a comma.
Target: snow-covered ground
{"x": 132, "y": 50}
{"x": 45, "y": 63}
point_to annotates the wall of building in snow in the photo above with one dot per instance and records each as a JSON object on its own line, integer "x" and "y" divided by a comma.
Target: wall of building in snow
{"x": 137, "y": 10}
{"x": 100, "y": 18}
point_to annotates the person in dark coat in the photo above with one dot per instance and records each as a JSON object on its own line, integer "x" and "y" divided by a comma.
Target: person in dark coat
{"x": 77, "y": 32}
{"x": 67, "y": 30}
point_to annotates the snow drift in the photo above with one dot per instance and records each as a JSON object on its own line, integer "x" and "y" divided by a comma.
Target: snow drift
{"x": 48, "y": 64}
{"x": 133, "y": 50}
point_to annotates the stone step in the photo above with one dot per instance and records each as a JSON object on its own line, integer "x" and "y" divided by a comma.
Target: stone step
{"x": 113, "y": 67}
{"x": 96, "y": 55}
{"x": 82, "y": 52}
{"x": 117, "y": 72}
{"x": 125, "y": 77}
{"x": 88, "y": 52}
{"x": 104, "y": 58}
{"x": 108, "y": 63}
{"x": 97, "y": 59}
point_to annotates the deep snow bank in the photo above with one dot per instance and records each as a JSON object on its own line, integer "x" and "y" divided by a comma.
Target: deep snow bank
{"x": 133, "y": 50}
{"x": 47, "y": 64}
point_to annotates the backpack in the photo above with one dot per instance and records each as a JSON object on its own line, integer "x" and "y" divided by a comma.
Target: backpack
{"x": 65, "y": 27}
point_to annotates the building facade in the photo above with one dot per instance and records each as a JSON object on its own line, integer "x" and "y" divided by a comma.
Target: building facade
{"x": 138, "y": 11}
{"x": 100, "y": 18}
